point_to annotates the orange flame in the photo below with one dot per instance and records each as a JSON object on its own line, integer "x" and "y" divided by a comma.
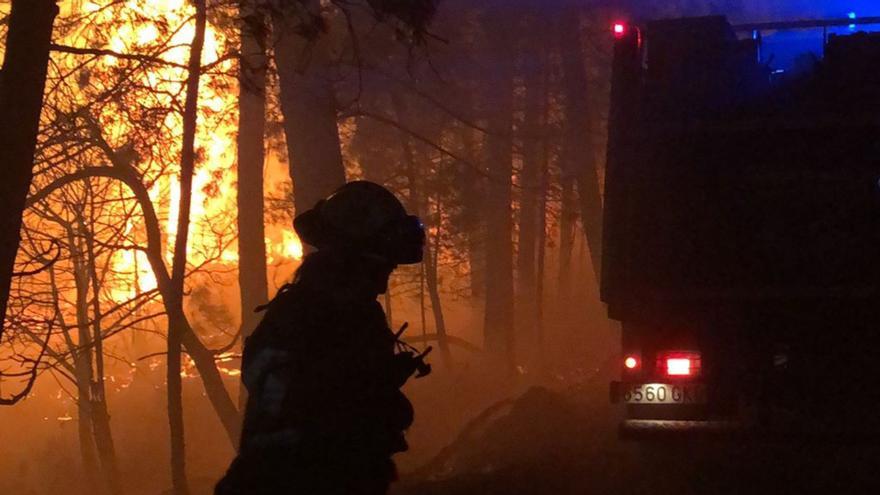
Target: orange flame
{"x": 214, "y": 187}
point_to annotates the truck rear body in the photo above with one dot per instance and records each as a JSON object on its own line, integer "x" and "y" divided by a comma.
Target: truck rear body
{"x": 742, "y": 227}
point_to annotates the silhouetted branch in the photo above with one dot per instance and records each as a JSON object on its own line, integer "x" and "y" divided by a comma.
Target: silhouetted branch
{"x": 451, "y": 339}
{"x": 457, "y": 115}
{"x": 102, "y": 52}
{"x": 406, "y": 130}
{"x": 33, "y": 373}
{"x": 46, "y": 265}
{"x": 137, "y": 57}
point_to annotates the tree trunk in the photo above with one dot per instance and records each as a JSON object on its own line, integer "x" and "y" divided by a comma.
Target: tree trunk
{"x": 470, "y": 185}
{"x": 579, "y": 159}
{"x": 100, "y": 415}
{"x": 498, "y": 315}
{"x": 308, "y": 105}
{"x": 530, "y": 193}
{"x": 251, "y": 155}
{"x": 432, "y": 257}
{"x": 542, "y": 251}
{"x": 416, "y": 200}
{"x": 176, "y": 316}
{"x": 179, "y": 481}
{"x": 104, "y": 441}
{"x": 22, "y": 81}
{"x": 81, "y": 371}
{"x": 173, "y": 300}
{"x": 418, "y": 203}
{"x": 567, "y": 226}
{"x": 83, "y": 366}
{"x": 469, "y": 181}
{"x": 84, "y": 432}
{"x": 82, "y": 358}
{"x": 591, "y": 214}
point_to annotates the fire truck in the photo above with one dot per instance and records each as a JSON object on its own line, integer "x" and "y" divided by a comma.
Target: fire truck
{"x": 741, "y": 230}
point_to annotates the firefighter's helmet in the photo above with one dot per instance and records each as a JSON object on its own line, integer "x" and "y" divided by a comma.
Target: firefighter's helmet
{"x": 363, "y": 217}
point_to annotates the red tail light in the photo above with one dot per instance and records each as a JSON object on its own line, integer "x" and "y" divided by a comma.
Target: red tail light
{"x": 632, "y": 363}
{"x": 681, "y": 364}
{"x": 619, "y": 29}
{"x": 678, "y": 366}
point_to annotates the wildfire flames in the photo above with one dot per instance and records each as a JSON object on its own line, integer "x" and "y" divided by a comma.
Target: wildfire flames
{"x": 213, "y": 186}
{"x": 159, "y": 31}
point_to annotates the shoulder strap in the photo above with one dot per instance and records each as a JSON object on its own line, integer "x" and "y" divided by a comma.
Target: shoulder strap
{"x": 286, "y": 288}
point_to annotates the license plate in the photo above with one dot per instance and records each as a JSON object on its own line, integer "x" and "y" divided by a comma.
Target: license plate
{"x": 664, "y": 393}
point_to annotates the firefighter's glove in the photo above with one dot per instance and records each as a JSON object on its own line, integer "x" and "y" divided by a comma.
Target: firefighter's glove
{"x": 404, "y": 366}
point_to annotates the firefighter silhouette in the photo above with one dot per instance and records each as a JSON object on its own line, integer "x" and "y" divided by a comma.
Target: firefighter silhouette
{"x": 323, "y": 370}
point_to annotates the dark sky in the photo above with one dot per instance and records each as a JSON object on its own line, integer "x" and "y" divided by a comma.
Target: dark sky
{"x": 814, "y": 8}
{"x": 737, "y": 10}
{"x": 751, "y": 10}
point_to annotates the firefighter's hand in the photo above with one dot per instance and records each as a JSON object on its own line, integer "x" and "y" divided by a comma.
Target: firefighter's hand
{"x": 404, "y": 366}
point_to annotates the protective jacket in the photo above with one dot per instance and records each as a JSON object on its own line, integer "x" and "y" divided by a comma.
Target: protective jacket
{"x": 324, "y": 411}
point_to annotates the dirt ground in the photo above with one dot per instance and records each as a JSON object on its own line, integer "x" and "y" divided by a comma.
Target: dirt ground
{"x": 546, "y": 443}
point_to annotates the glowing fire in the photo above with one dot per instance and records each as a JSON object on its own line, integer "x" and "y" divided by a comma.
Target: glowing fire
{"x": 139, "y": 27}
{"x": 291, "y": 246}
{"x": 227, "y": 364}
{"x": 212, "y": 219}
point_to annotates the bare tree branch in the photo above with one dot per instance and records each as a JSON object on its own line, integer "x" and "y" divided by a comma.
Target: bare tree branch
{"x": 33, "y": 374}
{"x": 137, "y": 57}
{"x": 102, "y": 52}
{"x": 48, "y": 264}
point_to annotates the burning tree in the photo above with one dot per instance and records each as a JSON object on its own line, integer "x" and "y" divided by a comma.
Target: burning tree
{"x": 84, "y": 298}
{"x": 111, "y": 121}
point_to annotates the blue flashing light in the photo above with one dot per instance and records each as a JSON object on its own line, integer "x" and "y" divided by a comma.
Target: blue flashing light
{"x": 851, "y": 15}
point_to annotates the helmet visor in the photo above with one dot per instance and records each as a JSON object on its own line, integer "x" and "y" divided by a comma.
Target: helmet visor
{"x": 408, "y": 245}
